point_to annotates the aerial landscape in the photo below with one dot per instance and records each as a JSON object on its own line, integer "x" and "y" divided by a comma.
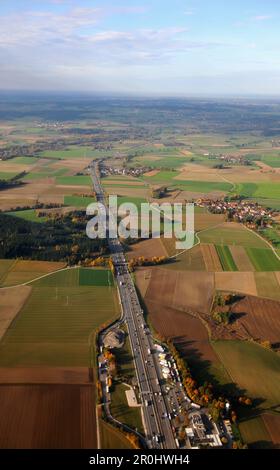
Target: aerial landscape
{"x": 131, "y": 343}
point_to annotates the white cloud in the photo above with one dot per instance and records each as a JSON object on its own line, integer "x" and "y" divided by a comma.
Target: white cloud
{"x": 262, "y": 17}
{"x": 189, "y": 12}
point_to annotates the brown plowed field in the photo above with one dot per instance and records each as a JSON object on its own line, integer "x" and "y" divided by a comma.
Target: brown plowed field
{"x": 236, "y": 282}
{"x": 272, "y": 423}
{"x": 47, "y": 417}
{"x": 152, "y": 173}
{"x": 44, "y": 375}
{"x": 211, "y": 258}
{"x": 182, "y": 290}
{"x": 241, "y": 258}
{"x": 187, "y": 332}
{"x": 11, "y": 302}
{"x": 204, "y": 221}
{"x": 143, "y": 277}
{"x": 260, "y": 318}
{"x": 147, "y": 248}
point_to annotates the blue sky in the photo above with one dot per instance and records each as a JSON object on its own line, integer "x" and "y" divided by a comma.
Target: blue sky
{"x": 202, "y": 47}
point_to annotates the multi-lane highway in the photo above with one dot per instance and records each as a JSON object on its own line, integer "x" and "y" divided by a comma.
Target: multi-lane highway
{"x": 157, "y": 425}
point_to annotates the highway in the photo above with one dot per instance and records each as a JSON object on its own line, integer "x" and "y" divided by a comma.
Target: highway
{"x": 159, "y": 434}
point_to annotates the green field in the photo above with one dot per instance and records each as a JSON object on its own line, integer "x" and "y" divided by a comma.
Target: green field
{"x": 267, "y": 285}
{"x": 166, "y": 162}
{"x": 202, "y": 186}
{"x": 95, "y": 277}
{"x": 125, "y": 360}
{"x": 226, "y": 258}
{"x": 267, "y": 202}
{"x": 74, "y": 151}
{"x": 36, "y": 176}
{"x": 5, "y": 265}
{"x": 131, "y": 416}
{"x": 263, "y": 259}
{"x": 4, "y": 175}
{"x": 121, "y": 179}
{"x": 255, "y": 370}
{"x": 112, "y": 438}
{"x": 273, "y": 235}
{"x": 231, "y": 234}
{"x": 74, "y": 180}
{"x": 78, "y": 201}
{"x": 123, "y": 185}
{"x": 163, "y": 176}
{"x": 56, "y": 325}
{"x": 259, "y": 190}
{"x": 135, "y": 200}
{"x": 24, "y": 160}
{"x": 28, "y": 214}
{"x": 272, "y": 160}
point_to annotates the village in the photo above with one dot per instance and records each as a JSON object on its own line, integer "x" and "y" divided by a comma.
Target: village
{"x": 246, "y": 212}
{"x": 123, "y": 171}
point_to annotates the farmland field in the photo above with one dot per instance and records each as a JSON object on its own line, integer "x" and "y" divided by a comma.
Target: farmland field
{"x": 190, "y": 260}
{"x": 135, "y": 200}
{"x": 74, "y": 180}
{"x": 260, "y": 317}
{"x": 202, "y": 186}
{"x": 226, "y": 258}
{"x": 165, "y": 162}
{"x": 211, "y": 258}
{"x": 10, "y": 305}
{"x": 263, "y": 259}
{"x": 242, "y": 282}
{"x": 241, "y": 258}
{"x": 24, "y": 160}
{"x": 78, "y": 201}
{"x": 267, "y": 285}
{"x": 259, "y": 190}
{"x": 20, "y": 271}
{"x": 112, "y": 438}
{"x": 162, "y": 176}
{"x": 191, "y": 339}
{"x": 272, "y": 423}
{"x": 56, "y": 323}
{"x": 232, "y": 234}
{"x": 28, "y": 214}
{"x": 7, "y": 175}
{"x": 95, "y": 277}
{"x": 254, "y": 369}
{"x": 255, "y": 433}
{"x": 42, "y": 413}
{"x": 169, "y": 288}
{"x": 72, "y": 152}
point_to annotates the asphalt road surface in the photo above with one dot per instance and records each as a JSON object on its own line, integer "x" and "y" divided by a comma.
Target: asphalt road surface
{"x": 157, "y": 425}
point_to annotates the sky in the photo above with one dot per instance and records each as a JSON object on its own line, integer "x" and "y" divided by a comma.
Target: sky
{"x": 141, "y": 47}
